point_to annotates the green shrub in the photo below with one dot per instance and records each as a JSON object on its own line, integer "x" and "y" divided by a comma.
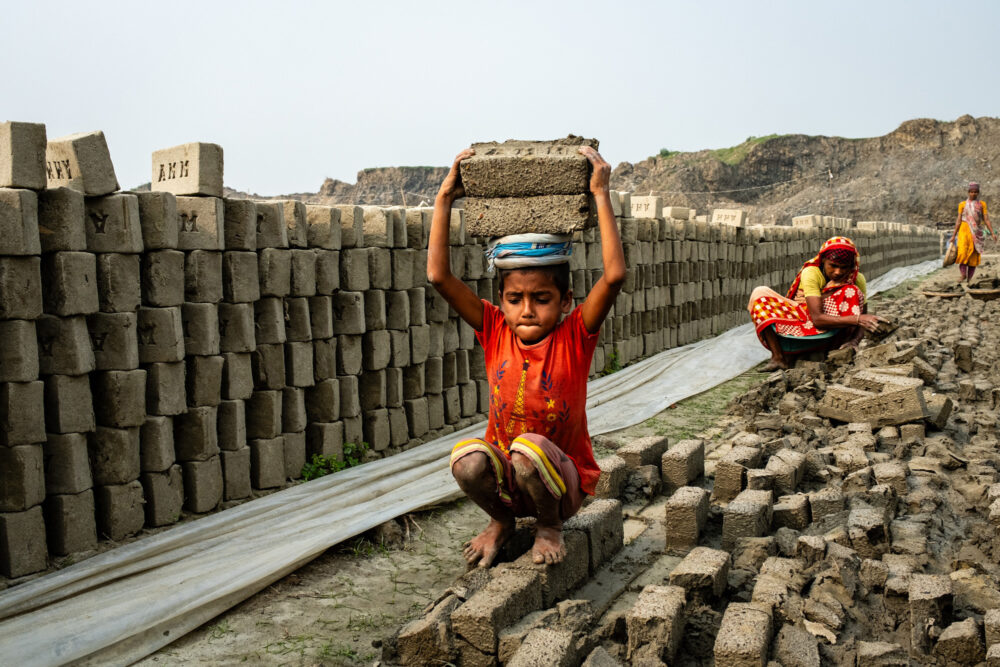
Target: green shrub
{"x": 320, "y": 465}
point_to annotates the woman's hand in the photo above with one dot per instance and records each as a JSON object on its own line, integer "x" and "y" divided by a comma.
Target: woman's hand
{"x": 600, "y": 179}
{"x": 452, "y": 188}
{"x": 869, "y": 322}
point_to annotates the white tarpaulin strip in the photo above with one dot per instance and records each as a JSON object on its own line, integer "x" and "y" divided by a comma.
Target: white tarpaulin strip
{"x": 124, "y": 604}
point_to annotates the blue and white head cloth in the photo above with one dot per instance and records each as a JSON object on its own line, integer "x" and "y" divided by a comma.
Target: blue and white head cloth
{"x": 523, "y": 251}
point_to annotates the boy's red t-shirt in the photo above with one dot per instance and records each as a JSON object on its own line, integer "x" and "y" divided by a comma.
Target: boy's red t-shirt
{"x": 541, "y": 388}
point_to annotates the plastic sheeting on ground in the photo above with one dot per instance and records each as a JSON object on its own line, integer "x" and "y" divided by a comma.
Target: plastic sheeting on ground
{"x": 124, "y": 604}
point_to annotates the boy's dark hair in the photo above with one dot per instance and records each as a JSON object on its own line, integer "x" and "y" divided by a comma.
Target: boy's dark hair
{"x": 558, "y": 273}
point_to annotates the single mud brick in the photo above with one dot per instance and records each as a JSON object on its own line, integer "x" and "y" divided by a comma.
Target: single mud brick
{"x": 435, "y": 411}
{"x": 419, "y": 344}
{"x": 269, "y": 321}
{"x": 204, "y": 380}
{"x": 759, "y": 479}
{"x": 792, "y": 512}
{"x": 295, "y": 454}
{"x": 200, "y": 222}
{"x": 402, "y": 268}
{"x": 327, "y": 271}
{"x": 115, "y": 339}
{"x": 263, "y": 415}
{"x": 267, "y": 463}
{"x": 268, "y": 366}
{"x": 293, "y": 410}
{"x": 303, "y": 273}
{"x": 236, "y": 474}
{"x": 299, "y": 365}
{"x": 545, "y": 646}
{"x": 703, "y": 571}
{"x": 427, "y": 640}
{"x": 22, "y": 477}
{"x": 162, "y": 278}
{"x": 374, "y": 310}
{"x": 22, "y": 419}
{"x": 960, "y": 643}
{"x": 417, "y": 417}
{"x": 868, "y": 532}
{"x": 22, "y": 155}
{"x": 189, "y": 169}
{"x": 113, "y": 224}
{"x": 378, "y": 228}
{"x": 19, "y": 223}
{"x": 322, "y": 402}
{"x": 232, "y": 426}
{"x": 893, "y": 407}
{"x": 69, "y": 283}
{"x": 939, "y": 408}
{"x": 324, "y": 359}
{"x": 963, "y": 351}
{"x": 165, "y": 388}
{"x": 271, "y": 230}
{"x": 70, "y": 522}
{"x": 239, "y": 224}
{"x": 119, "y": 509}
{"x": 61, "y": 220}
{"x": 64, "y": 346}
{"x": 298, "y": 323}
{"x": 789, "y": 468}
{"x": 274, "y": 269}
{"x": 294, "y": 215}
{"x": 237, "y": 376}
{"x": 201, "y": 328}
{"x": 349, "y": 313}
{"x": 643, "y": 451}
{"x": 743, "y": 637}
{"x": 203, "y": 485}
{"x": 655, "y": 624}
{"x": 377, "y": 350}
{"x": 325, "y": 439}
{"x": 324, "y": 226}
{"x": 397, "y": 308}
{"x": 730, "y": 471}
{"x": 601, "y": 522}
{"x": 991, "y": 625}
{"x": 506, "y": 598}
{"x": 203, "y": 276}
{"x": 236, "y": 327}
{"x": 118, "y": 282}
{"x": 161, "y": 335}
{"x": 526, "y": 168}
{"x": 893, "y": 474}
{"x": 114, "y": 455}
{"x": 748, "y": 515}
{"x": 352, "y": 225}
{"x": 67, "y": 464}
{"x": 468, "y": 398}
{"x": 354, "y": 273}
{"x": 321, "y": 317}
{"x": 82, "y": 162}
{"x": 545, "y": 214}
{"x": 68, "y": 405}
{"x": 837, "y": 401}
{"x": 196, "y": 435}
{"x": 350, "y": 396}
{"x": 164, "y": 495}
{"x": 686, "y": 515}
{"x": 992, "y": 656}
{"x": 158, "y": 219}
{"x": 240, "y": 277}
{"x": 156, "y": 444}
{"x": 682, "y": 464}
{"x": 930, "y": 602}
{"x": 120, "y": 398}
{"x": 375, "y": 425}
{"x": 23, "y": 547}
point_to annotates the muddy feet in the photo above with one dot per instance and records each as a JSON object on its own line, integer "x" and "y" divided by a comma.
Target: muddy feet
{"x": 775, "y": 364}
{"x": 549, "y": 546}
{"x": 483, "y": 548}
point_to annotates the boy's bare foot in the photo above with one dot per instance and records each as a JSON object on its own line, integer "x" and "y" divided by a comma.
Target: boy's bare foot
{"x": 775, "y": 364}
{"x": 485, "y": 546}
{"x": 549, "y": 546}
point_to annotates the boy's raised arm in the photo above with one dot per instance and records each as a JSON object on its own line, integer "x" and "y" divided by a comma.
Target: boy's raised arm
{"x": 465, "y": 302}
{"x": 602, "y": 295}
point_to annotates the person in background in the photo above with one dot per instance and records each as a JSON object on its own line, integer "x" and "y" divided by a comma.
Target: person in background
{"x": 825, "y": 306}
{"x": 969, "y": 235}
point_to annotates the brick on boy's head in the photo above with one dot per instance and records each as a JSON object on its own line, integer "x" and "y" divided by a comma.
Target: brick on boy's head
{"x": 557, "y": 273}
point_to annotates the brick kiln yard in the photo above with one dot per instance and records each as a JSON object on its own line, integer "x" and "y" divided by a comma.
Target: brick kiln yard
{"x": 818, "y": 541}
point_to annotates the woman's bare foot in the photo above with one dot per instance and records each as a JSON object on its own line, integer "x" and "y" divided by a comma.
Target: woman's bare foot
{"x": 850, "y": 343}
{"x": 485, "y": 546}
{"x": 775, "y": 364}
{"x": 549, "y": 546}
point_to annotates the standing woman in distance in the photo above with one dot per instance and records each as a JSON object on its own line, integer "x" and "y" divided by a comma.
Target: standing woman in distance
{"x": 969, "y": 235}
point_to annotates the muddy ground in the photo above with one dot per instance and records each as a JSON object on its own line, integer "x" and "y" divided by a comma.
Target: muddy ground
{"x": 336, "y": 610}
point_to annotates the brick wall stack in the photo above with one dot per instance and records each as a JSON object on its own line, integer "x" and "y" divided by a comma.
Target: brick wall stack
{"x": 170, "y": 351}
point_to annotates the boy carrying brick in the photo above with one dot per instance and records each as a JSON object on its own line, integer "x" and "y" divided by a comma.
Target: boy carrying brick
{"x": 536, "y": 459}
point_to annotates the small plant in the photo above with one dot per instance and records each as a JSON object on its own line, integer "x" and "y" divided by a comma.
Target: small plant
{"x": 612, "y": 364}
{"x": 665, "y": 153}
{"x": 319, "y": 465}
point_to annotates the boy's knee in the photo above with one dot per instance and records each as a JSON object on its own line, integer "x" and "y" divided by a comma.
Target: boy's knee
{"x": 523, "y": 467}
{"x": 470, "y": 467}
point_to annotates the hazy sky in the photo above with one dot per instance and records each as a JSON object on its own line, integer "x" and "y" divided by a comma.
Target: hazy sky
{"x": 298, "y": 91}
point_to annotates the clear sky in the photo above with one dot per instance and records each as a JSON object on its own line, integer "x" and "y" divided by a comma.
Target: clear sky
{"x": 298, "y": 91}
